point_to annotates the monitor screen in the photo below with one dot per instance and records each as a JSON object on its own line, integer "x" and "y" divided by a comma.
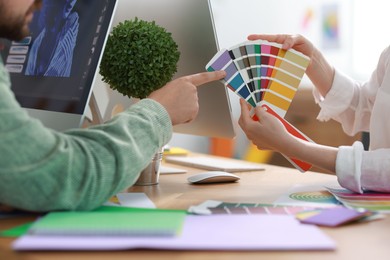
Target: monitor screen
{"x": 53, "y": 69}
{"x": 191, "y": 26}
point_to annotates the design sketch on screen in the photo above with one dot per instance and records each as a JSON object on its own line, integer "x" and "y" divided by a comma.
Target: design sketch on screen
{"x": 52, "y": 50}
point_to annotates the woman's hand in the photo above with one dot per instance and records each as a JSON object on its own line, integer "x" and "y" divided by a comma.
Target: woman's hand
{"x": 296, "y": 42}
{"x": 320, "y": 72}
{"x": 268, "y": 133}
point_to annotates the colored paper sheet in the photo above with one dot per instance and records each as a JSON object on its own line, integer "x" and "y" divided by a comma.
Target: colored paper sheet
{"x": 135, "y": 200}
{"x": 334, "y": 217}
{"x": 117, "y": 222}
{"x": 23, "y": 229}
{"x": 16, "y": 231}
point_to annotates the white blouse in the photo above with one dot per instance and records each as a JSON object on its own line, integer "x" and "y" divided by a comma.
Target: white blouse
{"x": 362, "y": 107}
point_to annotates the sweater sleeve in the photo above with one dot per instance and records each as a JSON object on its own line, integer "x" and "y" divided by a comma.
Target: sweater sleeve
{"x": 44, "y": 170}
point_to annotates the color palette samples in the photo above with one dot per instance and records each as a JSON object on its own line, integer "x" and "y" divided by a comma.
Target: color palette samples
{"x": 264, "y": 74}
{"x": 370, "y": 200}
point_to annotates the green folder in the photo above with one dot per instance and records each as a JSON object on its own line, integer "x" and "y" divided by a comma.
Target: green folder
{"x": 112, "y": 222}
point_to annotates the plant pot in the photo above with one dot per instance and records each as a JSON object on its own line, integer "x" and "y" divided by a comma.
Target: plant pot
{"x": 151, "y": 174}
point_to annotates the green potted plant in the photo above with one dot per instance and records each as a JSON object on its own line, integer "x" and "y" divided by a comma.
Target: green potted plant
{"x": 140, "y": 57}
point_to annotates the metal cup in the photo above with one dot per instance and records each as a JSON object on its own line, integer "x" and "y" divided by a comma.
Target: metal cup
{"x": 151, "y": 174}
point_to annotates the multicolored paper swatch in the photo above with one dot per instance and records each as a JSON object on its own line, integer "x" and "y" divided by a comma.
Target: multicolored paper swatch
{"x": 332, "y": 217}
{"x": 264, "y": 74}
{"x": 261, "y": 72}
{"x": 211, "y": 207}
{"x": 376, "y": 201}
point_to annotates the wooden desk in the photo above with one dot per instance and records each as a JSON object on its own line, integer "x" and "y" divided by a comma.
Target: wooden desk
{"x": 357, "y": 241}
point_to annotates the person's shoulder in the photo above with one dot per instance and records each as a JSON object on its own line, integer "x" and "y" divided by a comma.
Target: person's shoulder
{"x": 385, "y": 57}
{"x": 386, "y": 52}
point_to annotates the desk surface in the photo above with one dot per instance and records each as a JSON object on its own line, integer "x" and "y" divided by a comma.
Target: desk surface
{"x": 356, "y": 241}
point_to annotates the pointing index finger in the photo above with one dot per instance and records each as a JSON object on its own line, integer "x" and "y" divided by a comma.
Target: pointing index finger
{"x": 206, "y": 77}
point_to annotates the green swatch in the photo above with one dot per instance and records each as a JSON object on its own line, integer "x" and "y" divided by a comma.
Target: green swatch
{"x": 16, "y": 231}
{"x": 111, "y": 222}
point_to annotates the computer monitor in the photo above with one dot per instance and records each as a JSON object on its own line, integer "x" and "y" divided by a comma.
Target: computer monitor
{"x": 53, "y": 69}
{"x": 191, "y": 26}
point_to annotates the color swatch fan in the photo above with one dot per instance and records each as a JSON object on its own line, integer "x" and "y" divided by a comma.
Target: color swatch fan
{"x": 264, "y": 74}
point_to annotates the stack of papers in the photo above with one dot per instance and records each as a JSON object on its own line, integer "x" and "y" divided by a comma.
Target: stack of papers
{"x": 375, "y": 201}
{"x": 214, "y": 232}
{"x": 214, "y": 164}
{"x": 123, "y": 228}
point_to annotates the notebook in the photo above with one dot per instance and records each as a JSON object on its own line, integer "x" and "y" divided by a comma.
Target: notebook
{"x": 214, "y": 164}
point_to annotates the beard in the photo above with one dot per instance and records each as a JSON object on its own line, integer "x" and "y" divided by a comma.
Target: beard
{"x": 16, "y": 28}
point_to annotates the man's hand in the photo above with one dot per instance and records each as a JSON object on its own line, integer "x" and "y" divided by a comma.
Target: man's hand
{"x": 180, "y": 96}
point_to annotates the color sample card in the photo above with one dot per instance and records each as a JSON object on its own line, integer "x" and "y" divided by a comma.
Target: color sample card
{"x": 300, "y": 165}
{"x": 233, "y": 80}
{"x": 261, "y": 72}
{"x": 211, "y": 207}
{"x": 335, "y": 217}
{"x": 258, "y": 209}
{"x": 264, "y": 74}
{"x": 369, "y": 200}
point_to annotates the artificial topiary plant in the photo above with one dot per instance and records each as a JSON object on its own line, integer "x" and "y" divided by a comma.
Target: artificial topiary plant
{"x": 139, "y": 58}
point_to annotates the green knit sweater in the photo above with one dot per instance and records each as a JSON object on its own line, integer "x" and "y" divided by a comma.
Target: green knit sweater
{"x": 45, "y": 170}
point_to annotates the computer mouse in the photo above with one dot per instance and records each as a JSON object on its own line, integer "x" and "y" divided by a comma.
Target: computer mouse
{"x": 212, "y": 177}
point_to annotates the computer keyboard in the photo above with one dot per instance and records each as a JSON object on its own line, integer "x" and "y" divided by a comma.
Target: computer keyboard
{"x": 214, "y": 164}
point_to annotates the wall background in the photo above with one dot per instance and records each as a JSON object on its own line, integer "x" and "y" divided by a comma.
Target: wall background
{"x": 349, "y": 32}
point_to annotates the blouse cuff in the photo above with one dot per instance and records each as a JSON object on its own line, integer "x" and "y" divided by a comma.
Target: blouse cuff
{"x": 348, "y": 166}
